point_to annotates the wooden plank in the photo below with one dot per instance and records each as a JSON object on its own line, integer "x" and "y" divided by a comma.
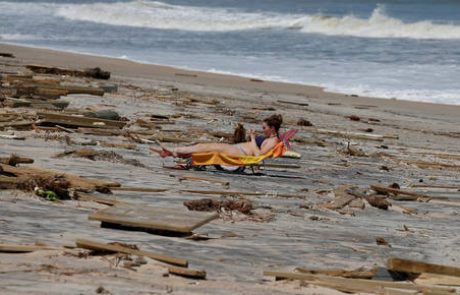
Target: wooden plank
{"x": 14, "y": 248}
{"x": 412, "y": 266}
{"x": 139, "y": 189}
{"x": 348, "y": 134}
{"x": 413, "y": 196}
{"x": 353, "y": 274}
{"x": 100, "y": 131}
{"x": 13, "y": 160}
{"x": 206, "y": 179}
{"x": 80, "y": 121}
{"x": 168, "y": 219}
{"x": 92, "y": 245}
{"x": 75, "y": 180}
{"x": 276, "y": 165}
{"x": 354, "y": 285}
{"x": 186, "y": 272}
{"x": 98, "y": 199}
{"x": 17, "y": 124}
{"x": 302, "y": 104}
{"x": 435, "y": 279}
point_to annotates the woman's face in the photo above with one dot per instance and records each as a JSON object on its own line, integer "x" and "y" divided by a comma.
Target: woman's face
{"x": 268, "y": 131}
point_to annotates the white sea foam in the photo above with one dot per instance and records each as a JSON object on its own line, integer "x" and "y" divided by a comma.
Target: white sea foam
{"x": 18, "y": 37}
{"x": 444, "y": 96}
{"x": 158, "y": 15}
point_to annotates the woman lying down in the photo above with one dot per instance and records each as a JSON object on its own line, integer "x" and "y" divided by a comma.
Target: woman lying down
{"x": 256, "y": 146}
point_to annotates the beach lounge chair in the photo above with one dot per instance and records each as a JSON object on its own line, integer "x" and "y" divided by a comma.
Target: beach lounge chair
{"x": 199, "y": 161}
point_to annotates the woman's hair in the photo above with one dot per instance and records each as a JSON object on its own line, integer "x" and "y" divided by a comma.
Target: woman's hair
{"x": 274, "y": 121}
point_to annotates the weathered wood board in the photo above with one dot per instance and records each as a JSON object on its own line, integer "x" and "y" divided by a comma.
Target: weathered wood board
{"x": 154, "y": 218}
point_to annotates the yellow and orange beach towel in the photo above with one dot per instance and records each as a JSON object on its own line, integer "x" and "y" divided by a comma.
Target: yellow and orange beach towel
{"x": 221, "y": 159}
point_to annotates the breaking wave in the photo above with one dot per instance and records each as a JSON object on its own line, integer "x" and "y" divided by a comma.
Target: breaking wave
{"x": 159, "y": 15}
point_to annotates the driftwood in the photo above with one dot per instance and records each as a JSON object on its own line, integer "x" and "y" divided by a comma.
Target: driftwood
{"x": 356, "y": 135}
{"x": 24, "y": 124}
{"x": 77, "y": 121}
{"x": 13, "y": 160}
{"x": 206, "y": 179}
{"x": 140, "y": 189}
{"x": 359, "y": 273}
{"x": 12, "y": 136}
{"x": 9, "y": 55}
{"x": 302, "y": 104}
{"x": 342, "y": 198}
{"x": 92, "y": 245}
{"x": 411, "y": 266}
{"x": 356, "y": 285}
{"x": 97, "y": 199}
{"x": 408, "y": 196}
{"x": 77, "y": 182}
{"x": 149, "y": 218}
{"x": 435, "y": 279}
{"x": 95, "y": 73}
{"x": 53, "y": 105}
{"x": 14, "y": 248}
{"x": 188, "y": 273}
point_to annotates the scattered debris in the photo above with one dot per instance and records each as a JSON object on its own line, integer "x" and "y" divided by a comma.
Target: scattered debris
{"x": 242, "y": 205}
{"x": 129, "y": 249}
{"x": 381, "y": 241}
{"x": 354, "y": 118}
{"x": 95, "y": 73}
{"x": 97, "y": 155}
{"x": 304, "y": 122}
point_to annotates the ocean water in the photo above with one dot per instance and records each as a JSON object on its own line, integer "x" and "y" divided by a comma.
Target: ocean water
{"x": 405, "y": 49}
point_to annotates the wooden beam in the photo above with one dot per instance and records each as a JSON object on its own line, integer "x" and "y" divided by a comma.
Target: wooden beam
{"x": 92, "y": 245}
{"x": 412, "y": 266}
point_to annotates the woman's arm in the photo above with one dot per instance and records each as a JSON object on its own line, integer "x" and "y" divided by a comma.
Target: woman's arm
{"x": 267, "y": 145}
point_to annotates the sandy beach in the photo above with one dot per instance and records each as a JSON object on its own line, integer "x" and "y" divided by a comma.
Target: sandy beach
{"x": 354, "y": 142}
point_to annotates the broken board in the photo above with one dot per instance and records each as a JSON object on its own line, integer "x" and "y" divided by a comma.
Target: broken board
{"x": 153, "y": 218}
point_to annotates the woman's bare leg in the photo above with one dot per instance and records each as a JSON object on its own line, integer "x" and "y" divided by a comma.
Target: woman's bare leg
{"x": 198, "y": 148}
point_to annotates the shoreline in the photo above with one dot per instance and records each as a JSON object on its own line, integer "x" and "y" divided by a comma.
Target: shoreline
{"x": 348, "y": 146}
{"x": 306, "y": 93}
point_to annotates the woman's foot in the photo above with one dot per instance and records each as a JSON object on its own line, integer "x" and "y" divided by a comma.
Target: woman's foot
{"x": 163, "y": 151}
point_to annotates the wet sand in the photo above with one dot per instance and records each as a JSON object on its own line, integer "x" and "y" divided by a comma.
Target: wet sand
{"x": 290, "y": 232}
